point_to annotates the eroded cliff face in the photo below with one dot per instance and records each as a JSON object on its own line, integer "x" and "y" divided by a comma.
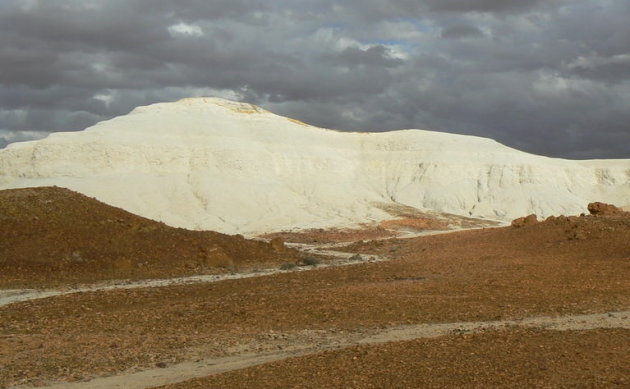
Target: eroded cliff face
{"x": 214, "y": 164}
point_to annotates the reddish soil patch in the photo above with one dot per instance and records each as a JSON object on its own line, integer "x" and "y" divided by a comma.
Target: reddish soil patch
{"x": 418, "y": 224}
{"x": 496, "y": 359}
{"x": 407, "y": 219}
{"x": 52, "y": 236}
{"x": 410, "y": 217}
{"x": 331, "y": 235}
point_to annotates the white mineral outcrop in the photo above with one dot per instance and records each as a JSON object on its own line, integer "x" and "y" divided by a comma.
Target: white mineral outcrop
{"x": 208, "y": 163}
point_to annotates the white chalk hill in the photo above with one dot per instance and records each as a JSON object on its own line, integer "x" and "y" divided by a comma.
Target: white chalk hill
{"x": 209, "y": 163}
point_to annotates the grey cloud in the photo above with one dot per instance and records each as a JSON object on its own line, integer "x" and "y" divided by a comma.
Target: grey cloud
{"x": 378, "y": 55}
{"x": 538, "y": 80}
{"x": 371, "y": 10}
{"x": 461, "y": 31}
{"x": 482, "y": 5}
{"x": 7, "y": 136}
{"x": 612, "y": 69}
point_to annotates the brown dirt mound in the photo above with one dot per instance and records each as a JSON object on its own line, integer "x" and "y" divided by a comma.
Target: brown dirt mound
{"x": 600, "y": 228}
{"x": 599, "y": 234}
{"x": 53, "y": 236}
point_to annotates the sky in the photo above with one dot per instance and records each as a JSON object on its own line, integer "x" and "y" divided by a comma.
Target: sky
{"x": 547, "y": 77}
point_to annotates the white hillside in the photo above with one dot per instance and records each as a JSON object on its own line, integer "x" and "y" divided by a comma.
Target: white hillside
{"x": 209, "y": 163}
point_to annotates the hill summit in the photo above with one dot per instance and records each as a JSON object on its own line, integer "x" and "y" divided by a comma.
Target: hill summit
{"x": 214, "y": 164}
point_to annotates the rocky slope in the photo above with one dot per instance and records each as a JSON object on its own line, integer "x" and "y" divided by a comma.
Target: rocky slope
{"x": 208, "y": 163}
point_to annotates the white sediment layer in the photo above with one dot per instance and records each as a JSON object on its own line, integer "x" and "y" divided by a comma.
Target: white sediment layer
{"x": 208, "y": 163}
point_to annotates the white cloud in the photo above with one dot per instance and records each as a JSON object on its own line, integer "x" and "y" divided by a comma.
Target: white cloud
{"x": 333, "y": 38}
{"x": 401, "y": 30}
{"x": 106, "y": 99}
{"x": 185, "y": 29}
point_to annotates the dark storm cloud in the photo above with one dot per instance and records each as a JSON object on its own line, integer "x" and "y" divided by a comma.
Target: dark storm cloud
{"x": 461, "y": 31}
{"x": 483, "y": 5}
{"x": 376, "y": 10}
{"x": 550, "y": 77}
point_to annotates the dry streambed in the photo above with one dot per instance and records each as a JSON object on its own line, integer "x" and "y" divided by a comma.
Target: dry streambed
{"x": 334, "y": 258}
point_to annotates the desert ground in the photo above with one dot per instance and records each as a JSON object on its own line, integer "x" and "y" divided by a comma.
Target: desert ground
{"x": 535, "y": 304}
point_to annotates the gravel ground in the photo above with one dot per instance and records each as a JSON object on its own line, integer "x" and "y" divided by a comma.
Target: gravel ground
{"x": 280, "y": 347}
{"x": 561, "y": 267}
{"x": 517, "y": 358}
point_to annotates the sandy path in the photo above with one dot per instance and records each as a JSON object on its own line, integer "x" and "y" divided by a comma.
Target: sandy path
{"x": 188, "y": 370}
{"x": 9, "y": 296}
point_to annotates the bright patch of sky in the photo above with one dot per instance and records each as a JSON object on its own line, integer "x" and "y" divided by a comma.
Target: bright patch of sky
{"x": 185, "y": 29}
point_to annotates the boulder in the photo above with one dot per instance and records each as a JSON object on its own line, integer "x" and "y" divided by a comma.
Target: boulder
{"x": 598, "y": 208}
{"x": 525, "y": 221}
